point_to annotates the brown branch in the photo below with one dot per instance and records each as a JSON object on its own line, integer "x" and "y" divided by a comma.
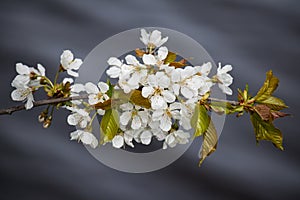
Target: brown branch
{"x": 10, "y": 110}
{"x": 234, "y": 103}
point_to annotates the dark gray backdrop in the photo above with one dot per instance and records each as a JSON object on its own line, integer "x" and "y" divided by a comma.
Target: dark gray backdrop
{"x": 254, "y": 36}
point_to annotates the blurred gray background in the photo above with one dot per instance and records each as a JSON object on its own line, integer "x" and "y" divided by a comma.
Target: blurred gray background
{"x": 254, "y": 36}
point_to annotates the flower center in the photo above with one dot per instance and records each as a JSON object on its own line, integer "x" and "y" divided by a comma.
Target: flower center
{"x": 99, "y": 95}
{"x": 157, "y": 91}
{"x": 26, "y": 92}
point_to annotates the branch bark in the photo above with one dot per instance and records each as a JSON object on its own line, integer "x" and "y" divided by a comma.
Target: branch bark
{"x": 9, "y": 111}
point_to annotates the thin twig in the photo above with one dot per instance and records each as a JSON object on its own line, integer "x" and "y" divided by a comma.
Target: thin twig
{"x": 234, "y": 103}
{"x": 10, "y": 110}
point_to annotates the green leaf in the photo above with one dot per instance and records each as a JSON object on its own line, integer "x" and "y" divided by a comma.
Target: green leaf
{"x": 209, "y": 144}
{"x": 137, "y": 99}
{"x": 221, "y": 107}
{"x": 273, "y": 103}
{"x": 265, "y": 130}
{"x": 171, "y": 57}
{"x": 110, "y": 88}
{"x": 270, "y": 85}
{"x": 109, "y": 125}
{"x": 200, "y": 120}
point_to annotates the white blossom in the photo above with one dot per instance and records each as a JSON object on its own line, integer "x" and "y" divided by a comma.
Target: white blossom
{"x": 139, "y": 71}
{"x": 75, "y": 90}
{"x": 78, "y": 117}
{"x": 22, "y": 94}
{"x": 185, "y": 82}
{"x": 96, "y": 95}
{"x": 134, "y": 116}
{"x": 157, "y": 60}
{"x": 118, "y": 141}
{"x": 165, "y": 116}
{"x": 157, "y": 91}
{"x": 186, "y": 113}
{"x": 224, "y": 79}
{"x": 152, "y": 39}
{"x": 23, "y": 79}
{"x": 85, "y": 137}
{"x": 176, "y": 137}
{"x": 118, "y": 69}
{"x": 70, "y": 64}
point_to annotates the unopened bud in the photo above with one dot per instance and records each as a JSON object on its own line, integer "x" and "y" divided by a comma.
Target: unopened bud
{"x": 47, "y": 122}
{"x": 41, "y": 118}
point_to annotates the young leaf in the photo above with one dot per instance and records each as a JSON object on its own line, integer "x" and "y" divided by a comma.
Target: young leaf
{"x": 263, "y": 111}
{"x": 171, "y": 57}
{"x": 220, "y": 107}
{"x": 139, "y": 52}
{"x": 200, "y": 120}
{"x": 106, "y": 105}
{"x": 137, "y": 98}
{"x": 209, "y": 144}
{"x": 270, "y": 85}
{"x": 109, "y": 125}
{"x": 265, "y": 130}
{"x": 178, "y": 64}
{"x": 110, "y": 88}
{"x": 273, "y": 103}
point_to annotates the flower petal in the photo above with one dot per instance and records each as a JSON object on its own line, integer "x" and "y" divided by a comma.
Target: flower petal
{"x": 158, "y": 102}
{"x": 113, "y": 72}
{"x": 22, "y": 69}
{"x": 103, "y": 87}
{"x": 144, "y": 36}
{"x": 118, "y": 141}
{"x": 66, "y": 58}
{"x": 126, "y": 106}
{"x": 131, "y": 60}
{"x": 164, "y": 81}
{"x": 125, "y": 117}
{"x": 91, "y": 88}
{"x": 146, "y": 137}
{"x": 168, "y": 96}
{"x": 114, "y": 61}
{"x": 149, "y": 59}
{"x": 41, "y": 69}
{"x": 29, "y": 103}
{"x": 187, "y": 92}
{"x": 147, "y": 91}
{"x": 89, "y": 139}
{"x": 77, "y": 87}
{"x": 162, "y": 53}
{"x": 70, "y": 80}
{"x": 19, "y": 94}
{"x": 136, "y": 122}
{"x": 72, "y": 73}
{"x": 165, "y": 123}
{"x": 75, "y": 64}
{"x": 76, "y": 134}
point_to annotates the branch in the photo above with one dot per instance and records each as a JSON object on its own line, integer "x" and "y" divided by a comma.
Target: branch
{"x": 234, "y": 103}
{"x": 9, "y": 111}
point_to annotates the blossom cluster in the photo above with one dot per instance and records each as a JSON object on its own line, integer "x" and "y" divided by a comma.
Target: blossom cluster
{"x": 171, "y": 91}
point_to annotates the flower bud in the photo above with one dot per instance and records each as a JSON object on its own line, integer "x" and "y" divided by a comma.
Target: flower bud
{"x": 41, "y": 118}
{"x": 47, "y": 122}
